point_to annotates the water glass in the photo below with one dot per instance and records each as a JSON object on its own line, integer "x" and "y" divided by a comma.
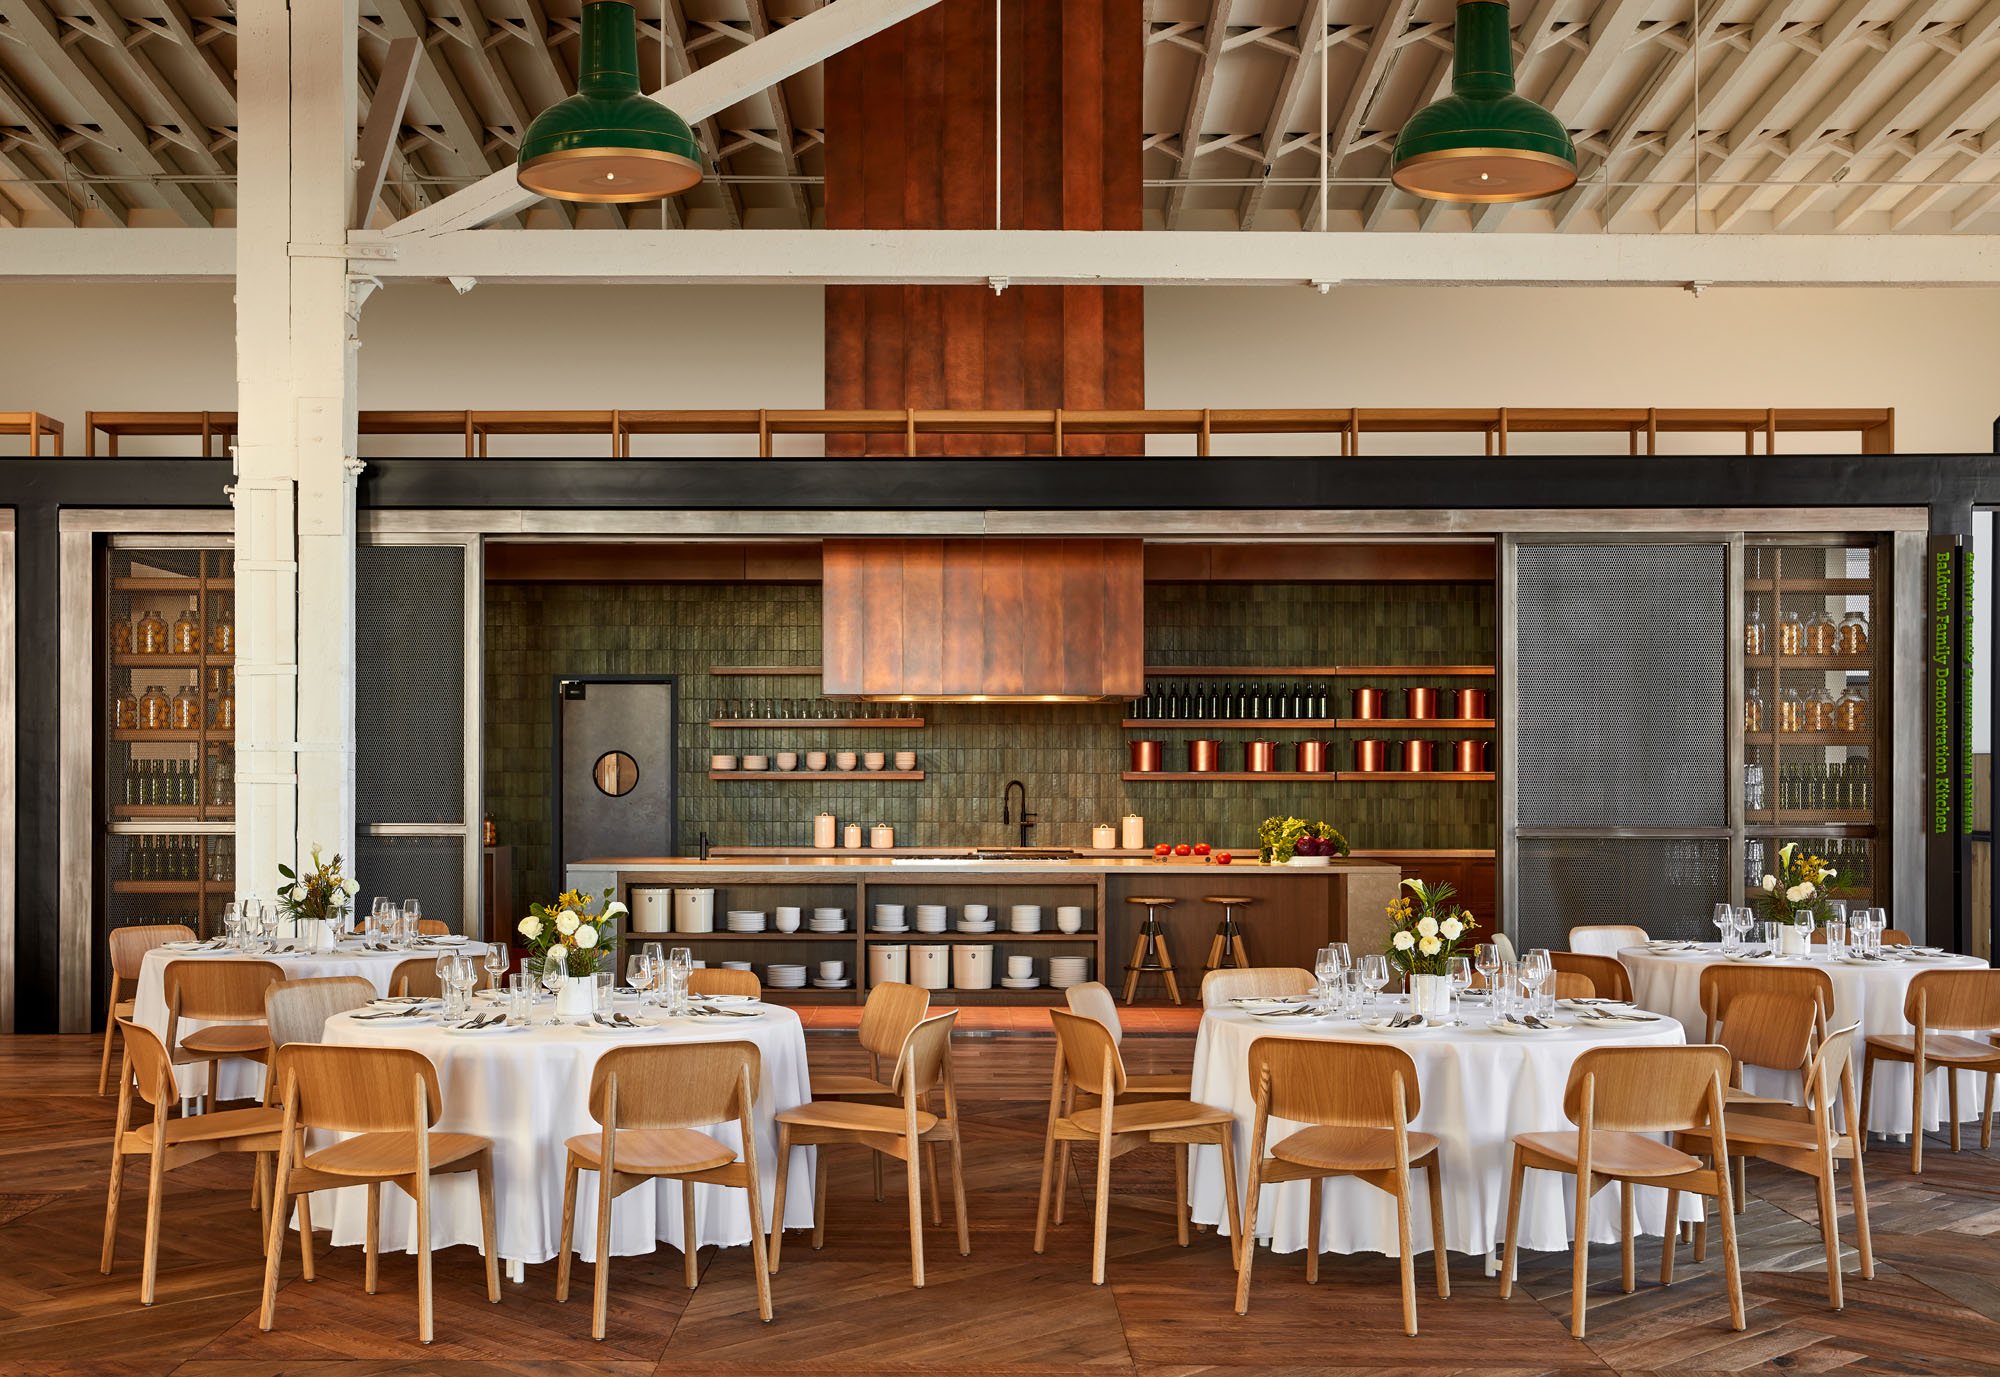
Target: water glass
{"x": 232, "y": 925}
{"x": 1536, "y": 972}
{"x": 520, "y": 999}
{"x": 1725, "y": 923}
{"x": 680, "y": 964}
{"x": 1771, "y": 936}
{"x": 600, "y": 995}
{"x": 1458, "y": 969}
{"x": 1506, "y": 987}
{"x": 1836, "y": 937}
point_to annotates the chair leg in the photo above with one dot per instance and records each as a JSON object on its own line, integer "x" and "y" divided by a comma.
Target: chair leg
{"x": 424, "y": 1313}
{"x": 759, "y": 1261}
{"x": 1520, "y": 1172}
{"x": 690, "y": 1240}
{"x": 958, "y": 1195}
{"x": 1312, "y": 1231}
{"x": 568, "y": 1228}
{"x": 1951, "y": 1103}
{"x": 1180, "y": 1194}
{"x": 875, "y": 1162}
{"x": 155, "y": 1190}
{"x": 1062, "y": 1179}
{"x": 1986, "y": 1117}
{"x": 1670, "y": 1239}
{"x": 1916, "y": 1119}
{"x": 1579, "y": 1279}
{"x": 914, "y": 1184}
{"x": 1242, "y": 952}
{"x": 1626, "y": 1229}
{"x": 1829, "y": 1227}
{"x": 489, "y": 1235}
{"x": 1406, "y": 1263}
{"x": 306, "y": 1239}
{"x": 111, "y": 1195}
{"x": 1434, "y": 1186}
{"x": 819, "y": 1199}
{"x": 778, "y": 1199}
{"x": 600, "y": 1277}
{"x": 1132, "y": 971}
{"x": 1101, "y": 1224}
{"x": 1732, "y": 1270}
{"x": 372, "y": 1248}
{"x": 1042, "y": 1200}
{"x": 1238, "y": 1240}
{"x": 1864, "y": 1239}
{"x": 1246, "y": 1251}
{"x": 1867, "y": 1097}
{"x": 110, "y": 1031}
{"x": 274, "y": 1249}
{"x": 937, "y": 1196}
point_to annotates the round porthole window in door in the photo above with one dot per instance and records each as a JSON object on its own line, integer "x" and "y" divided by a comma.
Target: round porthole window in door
{"x": 615, "y": 773}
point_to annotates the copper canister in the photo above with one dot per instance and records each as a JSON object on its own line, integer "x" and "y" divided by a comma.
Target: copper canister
{"x": 1148, "y": 757}
{"x": 1260, "y": 757}
{"x": 1371, "y": 757}
{"x": 1370, "y": 703}
{"x": 1471, "y": 705}
{"x": 1420, "y": 757}
{"x": 1314, "y": 757}
{"x": 1423, "y": 703}
{"x": 1468, "y": 757}
{"x": 1204, "y": 755}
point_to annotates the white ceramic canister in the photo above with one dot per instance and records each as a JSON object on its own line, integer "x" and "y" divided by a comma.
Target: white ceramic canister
{"x": 652, "y": 910}
{"x": 888, "y": 961}
{"x": 850, "y": 836}
{"x": 1132, "y": 832}
{"x": 694, "y": 910}
{"x": 1104, "y": 837}
{"x": 882, "y": 836}
{"x": 930, "y": 966}
{"x": 972, "y": 966}
{"x": 825, "y": 831}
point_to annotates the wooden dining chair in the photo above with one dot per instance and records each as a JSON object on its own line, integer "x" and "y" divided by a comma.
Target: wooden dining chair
{"x": 387, "y": 1099}
{"x": 1940, "y": 1006}
{"x": 1618, "y": 1097}
{"x": 1895, "y": 937}
{"x": 129, "y": 946}
{"x": 897, "y": 1130}
{"x": 1088, "y": 1060}
{"x": 651, "y": 1104}
{"x": 1607, "y": 974}
{"x": 297, "y": 1010}
{"x": 166, "y": 1140}
{"x": 227, "y": 997}
{"x": 1570, "y": 985}
{"x": 1726, "y": 980}
{"x": 1357, "y": 1101}
{"x": 1092, "y": 999}
{"x": 718, "y": 980}
{"x": 893, "y": 1008}
{"x": 1253, "y": 982}
{"x": 1606, "y": 939}
{"x": 1810, "y": 1139}
{"x": 433, "y": 927}
{"x": 416, "y": 976}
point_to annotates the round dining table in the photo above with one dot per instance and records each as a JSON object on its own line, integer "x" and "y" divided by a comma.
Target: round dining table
{"x": 239, "y": 1079}
{"x": 528, "y": 1089}
{"x": 1868, "y": 992}
{"x": 1479, "y": 1087}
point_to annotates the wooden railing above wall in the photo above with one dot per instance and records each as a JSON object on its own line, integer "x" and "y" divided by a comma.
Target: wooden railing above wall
{"x": 1343, "y": 427}
{"x": 34, "y": 425}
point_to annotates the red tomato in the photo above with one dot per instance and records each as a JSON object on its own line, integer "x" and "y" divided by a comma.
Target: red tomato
{"x": 1201, "y": 848}
{"x": 1183, "y": 850}
{"x": 1222, "y": 858}
{"x": 1164, "y": 849}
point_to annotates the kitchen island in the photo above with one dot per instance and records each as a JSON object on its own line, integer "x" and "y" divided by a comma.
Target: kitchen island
{"x": 1294, "y": 910}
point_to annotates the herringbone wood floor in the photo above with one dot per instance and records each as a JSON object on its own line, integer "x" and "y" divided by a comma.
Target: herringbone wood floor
{"x": 1935, "y": 1307}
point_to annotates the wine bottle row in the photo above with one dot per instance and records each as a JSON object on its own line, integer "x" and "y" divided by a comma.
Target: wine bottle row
{"x": 182, "y": 858}
{"x": 1213, "y": 701}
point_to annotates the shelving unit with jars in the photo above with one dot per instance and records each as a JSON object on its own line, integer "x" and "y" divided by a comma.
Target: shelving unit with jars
{"x": 1811, "y": 733}
{"x": 169, "y": 732}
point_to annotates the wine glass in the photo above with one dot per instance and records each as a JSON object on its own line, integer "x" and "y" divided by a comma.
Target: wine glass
{"x": 639, "y": 971}
{"x": 464, "y": 975}
{"x": 680, "y": 964}
{"x": 232, "y": 925}
{"x": 1535, "y": 971}
{"x": 1325, "y": 968}
{"x": 413, "y": 917}
{"x": 1458, "y": 969}
{"x": 1725, "y": 922}
{"x": 1486, "y": 960}
{"x": 1374, "y": 974}
{"x": 443, "y": 965}
{"x": 553, "y": 973}
{"x": 1746, "y": 919}
{"x": 495, "y": 961}
{"x": 253, "y": 922}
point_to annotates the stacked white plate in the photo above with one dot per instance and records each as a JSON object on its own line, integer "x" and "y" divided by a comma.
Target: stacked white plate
{"x": 933, "y": 918}
{"x": 1025, "y": 918}
{"x": 1065, "y": 971}
{"x": 736, "y": 965}
{"x": 889, "y": 918}
{"x": 828, "y": 920}
{"x": 783, "y": 977}
{"x": 745, "y": 920}
{"x": 971, "y": 924}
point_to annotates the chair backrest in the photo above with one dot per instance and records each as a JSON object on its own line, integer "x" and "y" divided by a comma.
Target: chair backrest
{"x": 1506, "y": 945}
{"x": 215, "y": 991}
{"x": 1965, "y": 1001}
{"x": 1726, "y": 981}
{"x": 1092, "y": 1000}
{"x": 1570, "y": 985}
{"x": 1829, "y": 1076}
{"x": 357, "y": 1089}
{"x": 1644, "y": 1089}
{"x": 1606, "y": 973}
{"x": 416, "y": 976}
{"x": 893, "y": 1008}
{"x": 151, "y": 1070}
{"x": 1766, "y": 1028}
{"x": 1340, "y": 1084}
{"x": 129, "y": 945}
{"x": 1084, "y": 1044}
{"x": 1606, "y": 939}
{"x": 297, "y": 1010}
{"x": 433, "y": 927}
{"x": 1895, "y": 937}
{"x": 925, "y": 1057}
{"x": 720, "y": 980}
{"x": 677, "y": 1085}
{"x": 1219, "y": 987}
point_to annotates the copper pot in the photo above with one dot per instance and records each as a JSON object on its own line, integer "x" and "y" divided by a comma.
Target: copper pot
{"x": 1204, "y": 755}
{"x": 1370, "y": 703}
{"x": 1471, "y": 705}
{"x": 1469, "y": 757}
{"x": 1148, "y": 757}
{"x": 1314, "y": 757}
{"x": 1423, "y": 703}
{"x": 1260, "y": 757}
{"x": 1371, "y": 757}
{"x": 1420, "y": 757}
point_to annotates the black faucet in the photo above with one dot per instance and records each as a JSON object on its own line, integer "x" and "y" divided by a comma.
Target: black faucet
{"x": 1027, "y": 819}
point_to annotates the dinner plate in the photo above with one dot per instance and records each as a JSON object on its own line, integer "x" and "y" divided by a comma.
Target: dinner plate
{"x": 185, "y": 946}
{"x": 1522, "y": 1030}
{"x": 1251, "y": 1004}
{"x": 699, "y": 1017}
{"x": 1382, "y": 1025}
{"x": 1633, "y": 1019}
{"x": 448, "y": 940}
{"x": 491, "y": 1030}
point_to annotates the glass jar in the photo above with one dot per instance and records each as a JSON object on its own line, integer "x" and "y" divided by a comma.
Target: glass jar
{"x": 1852, "y": 638}
{"x": 1791, "y": 635}
{"x": 224, "y": 716}
{"x": 1819, "y": 711}
{"x": 1850, "y": 714}
{"x": 121, "y": 638}
{"x": 149, "y": 637}
{"x": 125, "y": 712}
{"x": 1753, "y": 711}
{"x": 1755, "y": 640}
{"x": 154, "y": 709}
{"x": 1791, "y": 712}
{"x": 222, "y": 636}
{"x": 187, "y": 635}
{"x": 1822, "y": 636}
{"x": 185, "y": 713}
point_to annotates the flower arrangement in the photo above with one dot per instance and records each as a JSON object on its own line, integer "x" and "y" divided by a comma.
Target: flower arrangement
{"x": 568, "y": 929}
{"x": 1799, "y": 889}
{"x": 1282, "y": 838}
{"x": 322, "y": 893}
{"x": 1426, "y": 928}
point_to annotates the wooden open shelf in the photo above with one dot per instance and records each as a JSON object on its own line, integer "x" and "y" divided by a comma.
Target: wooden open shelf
{"x": 802, "y": 935}
{"x": 797, "y": 776}
{"x": 134, "y": 660}
{"x": 162, "y": 734}
{"x": 1475, "y": 724}
{"x": 1344, "y": 723}
{"x": 1855, "y": 587}
{"x": 172, "y": 812}
{"x": 1809, "y": 738}
{"x": 1839, "y": 822}
{"x": 834, "y": 723}
{"x": 727, "y": 670}
{"x": 1289, "y": 776}
{"x": 1317, "y": 671}
{"x": 1861, "y": 664}
{"x": 171, "y": 583}
{"x": 1418, "y": 776}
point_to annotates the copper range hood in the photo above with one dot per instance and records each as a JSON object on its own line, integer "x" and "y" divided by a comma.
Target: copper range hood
{"x": 983, "y": 621}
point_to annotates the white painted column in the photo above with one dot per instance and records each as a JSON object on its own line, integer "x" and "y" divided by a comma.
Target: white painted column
{"x": 294, "y": 492}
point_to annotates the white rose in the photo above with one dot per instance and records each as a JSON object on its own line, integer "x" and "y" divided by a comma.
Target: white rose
{"x": 531, "y": 927}
{"x": 613, "y": 909}
{"x": 586, "y": 937}
{"x": 1452, "y": 929}
{"x": 1430, "y": 946}
{"x": 298, "y": 894}
{"x": 1427, "y": 926}
{"x": 1403, "y": 941}
{"x": 1770, "y": 883}
{"x": 1798, "y": 893}
{"x": 350, "y": 888}
{"x": 566, "y": 922}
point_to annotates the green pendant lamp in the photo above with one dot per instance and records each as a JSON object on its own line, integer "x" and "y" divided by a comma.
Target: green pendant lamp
{"x": 608, "y": 143}
{"x": 1483, "y": 142}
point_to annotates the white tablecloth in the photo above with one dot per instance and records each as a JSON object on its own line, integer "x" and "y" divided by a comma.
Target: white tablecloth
{"x": 1479, "y": 1088}
{"x": 1871, "y": 995}
{"x": 239, "y": 1079}
{"x": 529, "y": 1092}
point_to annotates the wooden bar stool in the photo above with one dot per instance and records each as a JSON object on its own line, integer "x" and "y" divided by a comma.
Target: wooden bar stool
{"x": 1149, "y": 954}
{"x": 1227, "y": 951}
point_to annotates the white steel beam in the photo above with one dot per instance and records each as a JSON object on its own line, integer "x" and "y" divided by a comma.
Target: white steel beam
{"x": 702, "y": 93}
{"x": 385, "y": 121}
{"x": 1311, "y": 33}
{"x": 781, "y": 117}
{"x": 1214, "y": 34}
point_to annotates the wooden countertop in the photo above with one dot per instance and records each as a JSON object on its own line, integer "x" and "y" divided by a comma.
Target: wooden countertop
{"x": 911, "y": 868}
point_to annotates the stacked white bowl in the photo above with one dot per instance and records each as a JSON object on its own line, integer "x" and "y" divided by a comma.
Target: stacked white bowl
{"x": 1065, "y": 971}
{"x": 1025, "y": 918}
{"x": 746, "y": 920}
{"x": 828, "y": 920}
{"x": 933, "y": 918}
{"x": 889, "y": 918}
{"x": 976, "y": 918}
{"x": 780, "y": 976}
{"x": 1020, "y": 973}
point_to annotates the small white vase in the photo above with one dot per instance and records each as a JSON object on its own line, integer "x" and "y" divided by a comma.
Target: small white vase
{"x": 1430, "y": 995}
{"x": 1792, "y": 940}
{"x": 575, "y": 997}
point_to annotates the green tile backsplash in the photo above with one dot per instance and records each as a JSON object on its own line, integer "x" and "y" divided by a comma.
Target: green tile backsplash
{"x": 1069, "y": 755}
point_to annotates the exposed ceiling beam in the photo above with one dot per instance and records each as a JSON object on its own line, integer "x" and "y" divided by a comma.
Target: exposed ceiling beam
{"x": 754, "y": 67}
{"x": 1214, "y": 35}
{"x": 463, "y": 21}
{"x": 680, "y": 65}
{"x": 40, "y": 156}
{"x": 458, "y": 149}
{"x": 1609, "y": 35}
{"x": 781, "y": 117}
{"x": 1311, "y": 33}
{"x": 384, "y": 122}
{"x": 1345, "y": 125}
